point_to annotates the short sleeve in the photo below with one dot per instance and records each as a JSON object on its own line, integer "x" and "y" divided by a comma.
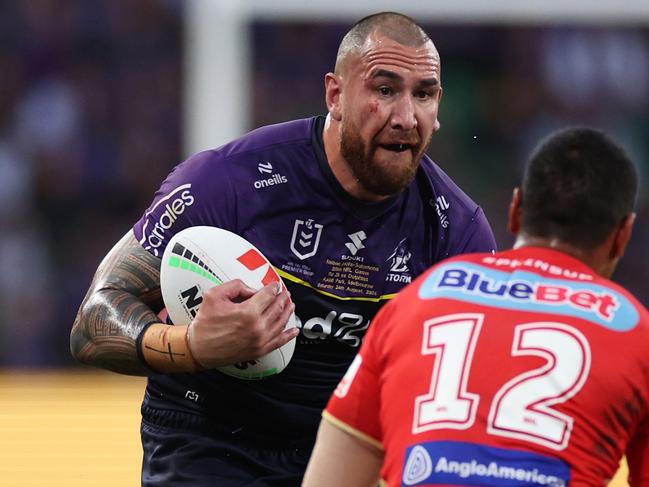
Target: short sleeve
{"x": 197, "y": 192}
{"x": 478, "y": 236}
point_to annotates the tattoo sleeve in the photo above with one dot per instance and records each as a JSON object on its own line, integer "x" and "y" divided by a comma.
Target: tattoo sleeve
{"x": 123, "y": 299}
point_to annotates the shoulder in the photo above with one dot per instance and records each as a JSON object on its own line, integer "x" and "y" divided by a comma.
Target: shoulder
{"x": 280, "y": 142}
{"x": 463, "y": 226}
{"x": 269, "y": 137}
{"x": 218, "y": 187}
{"x": 447, "y": 192}
{"x": 624, "y": 305}
{"x": 261, "y": 140}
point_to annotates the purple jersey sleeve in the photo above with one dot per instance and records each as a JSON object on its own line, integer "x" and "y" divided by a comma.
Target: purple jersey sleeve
{"x": 196, "y": 192}
{"x": 463, "y": 226}
{"x": 478, "y": 236}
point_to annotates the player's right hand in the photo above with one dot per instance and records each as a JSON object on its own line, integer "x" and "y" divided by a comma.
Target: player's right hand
{"x": 237, "y": 324}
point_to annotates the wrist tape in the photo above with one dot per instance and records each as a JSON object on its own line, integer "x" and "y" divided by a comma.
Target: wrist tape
{"x": 165, "y": 348}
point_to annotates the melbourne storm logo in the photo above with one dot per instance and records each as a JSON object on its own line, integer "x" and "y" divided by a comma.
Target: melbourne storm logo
{"x": 399, "y": 259}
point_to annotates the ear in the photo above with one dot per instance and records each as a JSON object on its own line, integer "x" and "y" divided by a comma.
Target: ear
{"x": 622, "y": 236}
{"x": 437, "y": 124}
{"x": 514, "y": 217}
{"x": 333, "y": 90}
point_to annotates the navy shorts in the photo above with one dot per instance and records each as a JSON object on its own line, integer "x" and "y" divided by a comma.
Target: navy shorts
{"x": 189, "y": 451}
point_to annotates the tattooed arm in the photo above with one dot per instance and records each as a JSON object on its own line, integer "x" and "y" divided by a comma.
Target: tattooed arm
{"x": 123, "y": 298}
{"x": 234, "y": 323}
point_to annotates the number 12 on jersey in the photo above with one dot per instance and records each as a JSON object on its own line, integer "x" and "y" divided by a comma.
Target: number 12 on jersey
{"x": 523, "y": 407}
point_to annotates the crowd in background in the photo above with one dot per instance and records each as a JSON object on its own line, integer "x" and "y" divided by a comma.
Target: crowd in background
{"x": 90, "y": 123}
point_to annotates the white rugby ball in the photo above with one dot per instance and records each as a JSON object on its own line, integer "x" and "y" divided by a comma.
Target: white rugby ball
{"x": 198, "y": 258}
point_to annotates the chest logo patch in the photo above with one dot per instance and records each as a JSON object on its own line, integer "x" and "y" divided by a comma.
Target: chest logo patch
{"x": 306, "y": 238}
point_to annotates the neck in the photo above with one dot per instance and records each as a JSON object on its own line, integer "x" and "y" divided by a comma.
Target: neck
{"x": 597, "y": 259}
{"x": 339, "y": 165}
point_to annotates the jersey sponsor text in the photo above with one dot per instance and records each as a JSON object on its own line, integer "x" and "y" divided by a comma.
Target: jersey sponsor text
{"x": 475, "y": 282}
{"x": 490, "y": 287}
{"x": 154, "y": 231}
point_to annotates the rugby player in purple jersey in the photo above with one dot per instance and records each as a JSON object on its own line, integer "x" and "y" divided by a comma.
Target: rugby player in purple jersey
{"x": 348, "y": 208}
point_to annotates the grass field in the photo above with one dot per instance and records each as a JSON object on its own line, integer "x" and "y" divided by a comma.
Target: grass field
{"x": 76, "y": 429}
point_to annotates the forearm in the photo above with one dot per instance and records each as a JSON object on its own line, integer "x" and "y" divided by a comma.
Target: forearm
{"x": 117, "y": 327}
{"x": 106, "y": 330}
{"x": 123, "y": 299}
{"x": 339, "y": 458}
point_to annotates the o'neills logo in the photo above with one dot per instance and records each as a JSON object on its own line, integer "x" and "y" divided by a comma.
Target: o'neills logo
{"x": 154, "y": 231}
{"x": 441, "y": 205}
{"x": 276, "y": 179}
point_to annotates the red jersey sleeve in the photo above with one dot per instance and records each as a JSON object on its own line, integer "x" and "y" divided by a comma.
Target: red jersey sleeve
{"x": 356, "y": 402}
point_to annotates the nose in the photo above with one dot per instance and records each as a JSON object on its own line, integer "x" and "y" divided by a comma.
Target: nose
{"x": 403, "y": 114}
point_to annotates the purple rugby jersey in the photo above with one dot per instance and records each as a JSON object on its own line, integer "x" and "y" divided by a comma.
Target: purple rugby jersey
{"x": 341, "y": 259}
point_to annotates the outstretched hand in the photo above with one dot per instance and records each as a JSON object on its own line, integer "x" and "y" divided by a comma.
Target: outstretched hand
{"x": 235, "y": 323}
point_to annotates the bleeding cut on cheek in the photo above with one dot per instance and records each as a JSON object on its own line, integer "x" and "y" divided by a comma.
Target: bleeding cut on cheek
{"x": 374, "y": 106}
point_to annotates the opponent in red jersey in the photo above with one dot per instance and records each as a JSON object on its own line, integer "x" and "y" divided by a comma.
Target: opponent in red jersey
{"x": 524, "y": 368}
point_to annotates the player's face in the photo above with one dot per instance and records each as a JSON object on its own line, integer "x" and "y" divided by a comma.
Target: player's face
{"x": 389, "y": 107}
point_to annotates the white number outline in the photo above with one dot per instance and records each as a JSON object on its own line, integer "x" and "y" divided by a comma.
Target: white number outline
{"x": 468, "y": 399}
{"x": 499, "y": 422}
{"x": 539, "y": 406}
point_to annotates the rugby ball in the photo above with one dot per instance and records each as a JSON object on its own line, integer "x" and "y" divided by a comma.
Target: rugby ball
{"x": 199, "y": 258}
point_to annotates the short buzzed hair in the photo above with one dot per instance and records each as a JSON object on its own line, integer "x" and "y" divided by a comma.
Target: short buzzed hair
{"x": 578, "y": 186}
{"x": 393, "y": 25}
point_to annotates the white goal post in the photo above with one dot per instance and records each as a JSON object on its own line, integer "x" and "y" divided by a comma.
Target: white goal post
{"x": 217, "y": 81}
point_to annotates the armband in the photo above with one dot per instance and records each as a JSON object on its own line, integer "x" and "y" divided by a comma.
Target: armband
{"x": 165, "y": 349}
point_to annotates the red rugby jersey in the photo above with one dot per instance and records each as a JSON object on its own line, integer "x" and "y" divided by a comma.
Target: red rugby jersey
{"x": 519, "y": 368}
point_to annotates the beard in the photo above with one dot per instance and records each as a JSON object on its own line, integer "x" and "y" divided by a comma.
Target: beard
{"x": 379, "y": 179}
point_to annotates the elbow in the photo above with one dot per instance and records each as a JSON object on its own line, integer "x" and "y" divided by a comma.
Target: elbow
{"x": 76, "y": 349}
{"x": 80, "y": 342}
